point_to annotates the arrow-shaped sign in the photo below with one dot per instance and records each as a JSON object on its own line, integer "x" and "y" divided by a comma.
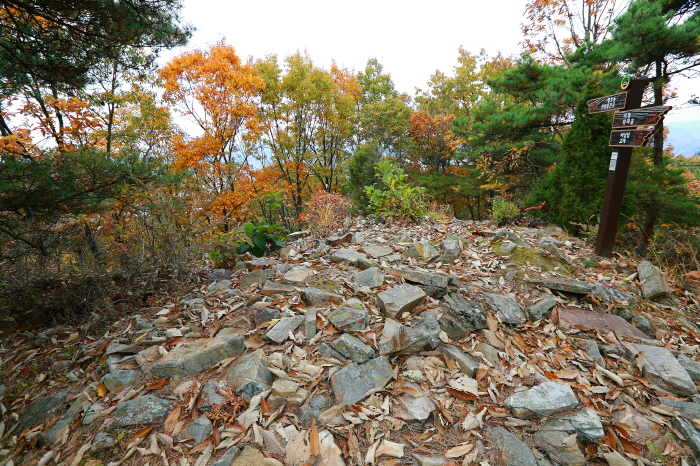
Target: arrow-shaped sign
{"x": 630, "y": 138}
{"x": 648, "y": 116}
{"x": 607, "y": 103}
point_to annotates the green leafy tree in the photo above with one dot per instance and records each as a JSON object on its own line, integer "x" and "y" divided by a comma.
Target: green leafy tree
{"x": 360, "y": 174}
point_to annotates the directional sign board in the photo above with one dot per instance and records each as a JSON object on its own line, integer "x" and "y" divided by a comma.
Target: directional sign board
{"x": 648, "y": 116}
{"x": 607, "y": 103}
{"x": 630, "y": 138}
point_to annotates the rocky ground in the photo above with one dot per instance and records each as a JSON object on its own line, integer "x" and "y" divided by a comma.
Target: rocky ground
{"x": 451, "y": 343}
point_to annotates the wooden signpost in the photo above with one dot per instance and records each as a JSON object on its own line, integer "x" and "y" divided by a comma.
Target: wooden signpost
{"x": 623, "y": 140}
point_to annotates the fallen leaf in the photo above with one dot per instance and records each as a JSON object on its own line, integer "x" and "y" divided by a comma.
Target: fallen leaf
{"x": 313, "y": 440}
{"x": 615, "y": 459}
{"x": 459, "y": 450}
{"x": 171, "y": 420}
{"x": 157, "y": 383}
{"x": 387, "y": 448}
{"x": 101, "y": 389}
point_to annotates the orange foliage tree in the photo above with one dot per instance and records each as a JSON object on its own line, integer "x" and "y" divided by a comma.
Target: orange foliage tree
{"x": 218, "y": 94}
{"x": 435, "y": 142}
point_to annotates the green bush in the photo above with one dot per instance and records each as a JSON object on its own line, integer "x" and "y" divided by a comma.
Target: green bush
{"x": 503, "y": 211}
{"x": 397, "y": 199}
{"x": 261, "y": 236}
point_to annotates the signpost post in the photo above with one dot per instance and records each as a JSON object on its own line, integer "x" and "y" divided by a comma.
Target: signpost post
{"x": 630, "y": 117}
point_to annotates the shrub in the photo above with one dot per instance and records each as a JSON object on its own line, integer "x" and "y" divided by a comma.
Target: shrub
{"x": 503, "y": 210}
{"x": 261, "y": 236}
{"x": 397, "y": 199}
{"x": 325, "y": 212}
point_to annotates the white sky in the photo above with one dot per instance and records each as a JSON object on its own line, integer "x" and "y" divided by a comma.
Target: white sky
{"x": 411, "y": 39}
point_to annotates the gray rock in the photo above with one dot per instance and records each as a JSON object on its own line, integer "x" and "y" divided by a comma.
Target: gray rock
{"x": 399, "y": 339}
{"x": 145, "y": 410}
{"x": 541, "y": 308}
{"x": 262, "y": 263}
{"x": 435, "y": 285}
{"x": 371, "y": 278}
{"x": 312, "y": 409}
{"x": 199, "y": 430}
{"x": 591, "y": 347}
{"x": 556, "y": 253}
{"x": 507, "y": 235}
{"x": 643, "y": 324}
{"x": 353, "y": 348}
{"x": 298, "y": 273}
{"x": 227, "y": 458}
{"x": 253, "y": 278}
{"x": 262, "y": 315}
{"x": 211, "y": 395}
{"x": 625, "y": 314}
{"x": 506, "y": 247}
{"x": 452, "y": 327}
{"x": 316, "y": 297}
{"x": 347, "y": 255}
{"x": 101, "y": 443}
{"x": 199, "y": 355}
{"x": 348, "y": 319}
{"x": 92, "y": 413}
{"x": 663, "y": 369}
{"x": 250, "y": 456}
{"x": 450, "y": 251}
{"x": 654, "y": 283}
{"x": 466, "y": 362}
{"x": 548, "y": 240}
{"x": 422, "y": 251}
{"x": 506, "y": 308}
{"x": 280, "y": 332}
{"x": 399, "y": 299}
{"x": 352, "y": 383}
{"x": 219, "y": 274}
{"x": 580, "y": 287}
{"x": 691, "y": 434}
{"x": 377, "y": 251}
{"x": 52, "y": 434}
{"x": 365, "y": 264}
{"x": 286, "y": 393}
{"x": 251, "y": 375}
{"x": 488, "y": 352}
{"x": 553, "y": 443}
{"x": 543, "y": 400}
{"x": 686, "y": 409}
{"x": 690, "y": 366}
{"x": 218, "y": 287}
{"x": 339, "y": 238}
{"x": 586, "y": 423}
{"x": 40, "y": 409}
{"x": 271, "y": 288}
{"x": 310, "y": 323}
{"x": 511, "y": 450}
{"x": 325, "y": 349}
{"x": 418, "y": 407}
{"x": 468, "y": 313}
{"x": 119, "y": 378}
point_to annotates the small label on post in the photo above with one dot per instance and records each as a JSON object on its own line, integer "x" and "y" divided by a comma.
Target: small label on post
{"x": 613, "y": 161}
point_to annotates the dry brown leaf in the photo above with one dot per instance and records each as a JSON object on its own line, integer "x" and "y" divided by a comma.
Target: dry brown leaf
{"x": 459, "y": 450}
{"x": 313, "y": 440}
{"x": 205, "y": 456}
{"x": 297, "y": 451}
{"x": 616, "y": 459}
{"x": 387, "y": 448}
{"x": 101, "y": 389}
{"x": 171, "y": 420}
{"x": 568, "y": 374}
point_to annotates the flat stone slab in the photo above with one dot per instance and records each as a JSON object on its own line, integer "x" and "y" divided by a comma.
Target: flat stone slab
{"x": 251, "y": 375}
{"x": 377, "y": 251}
{"x": 564, "y": 454}
{"x": 585, "y": 423}
{"x": 434, "y": 284}
{"x": 316, "y": 297}
{"x": 422, "y": 251}
{"x": 347, "y": 319}
{"x": 691, "y": 434}
{"x": 604, "y": 323}
{"x": 145, "y": 410}
{"x": 199, "y": 355}
{"x": 352, "y": 348}
{"x": 258, "y": 264}
{"x": 399, "y": 299}
{"x": 371, "y": 278}
{"x": 543, "y": 400}
{"x": 199, "y": 430}
{"x": 119, "y": 378}
{"x": 417, "y": 407}
{"x": 312, "y": 409}
{"x": 40, "y": 409}
{"x": 272, "y": 288}
{"x": 541, "y": 308}
{"x": 511, "y": 450}
{"x": 686, "y": 409}
{"x": 262, "y": 315}
{"x": 691, "y": 367}
{"x": 580, "y": 287}
{"x": 253, "y": 278}
{"x": 347, "y": 255}
{"x": 298, "y": 273}
{"x": 654, "y": 282}
{"x": 663, "y": 369}
{"x": 351, "y": 383}
{"x": 400, "y": 339}
{"x": 280, "y": 332}
{"x": 466, "y": 362}
{"x": 507, "y": 309}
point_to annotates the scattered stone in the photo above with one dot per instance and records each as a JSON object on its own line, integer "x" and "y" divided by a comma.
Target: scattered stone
{"x": 298, "y": 273}
{"x": 119, "y": 378}
{"x": 556, "y": 253}
{"x": 545, "y": 240}
{"x": 625, "y": 314}
{"x": 580, "y": 287}
{"x": 541, "y": 308}
{"x": 654, "y": 282}
{"x": 338, "y": 239}
{"x": 377, "y": 251}
{"x": 663, "y": 369}
{"x": 347, "y": 255}
{"x": 492, "y": 339}
{"x": 418, "y": 407}
{"x": 326, "y": 350}
{"x": 218, "y": 287}
{"x": 296, "y": 235}
{"x": 586, "y": 423}
{"x": 353, "y": 348}
{"x": 119, "y": 348}
{"x": 365, "y": 264}
{"x": 219, "y": 274}
{"x": 435, "y": 285}
{"x": 506, "y": 308}
{"x": 286, "y": 393}
{"x": 686, "y": 409}
{"x": 450, "y": 251}
{"x": 507, "y": 235}
{"x": 353, "y": 382}
{"x": 92, "y": 413}
{"x": 272, "y": 288}
{"x": 101, "y": 443}
{"x": 255, "y": 277}
{"x": 604, "y": 323}
{"x": 591, "y": 348}
{"x": 199, "y": 355}
{"x": 469, "y": 314}
{"x": 211, "y": 395}
{"x": 690, "y": 433}
{"x": 251, "y": 375}
{"x": 316, "y": 297}
{"x": 3, "y": 392}
{"x": 643, "y": 324}
{"x": 511, "y": 450}
{"x": 310, "y": 323}
{"x": 506, "y": 247}
{"x": 488, "y": 352}
{"x": 422, "y": 251}
{"x": 262, "y": 315}
{"x": 639, "y": 428}
{"x": 312, "y": 409}
{"x": 543, "y": 400}
{"x": 690, "y": 366}
{"x": 399, "y": 299}
{"x": 280, "y": 332}
{"x": 562, "y": 452}
{"x": 250, "y": 456}
{"x": 371, "y": 278}
{"x": 227, "y": 458}
{"x": 199, "y": 430}
{"x": 40, "y": 409}
{"x": 399, "y": 339}
{"x": 467, "y": 363}
{"x": 347, "y": 319}
{"x": 145, "y": 410}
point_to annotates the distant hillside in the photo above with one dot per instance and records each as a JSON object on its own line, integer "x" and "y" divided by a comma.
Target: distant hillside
{"x": 685, "y": 137}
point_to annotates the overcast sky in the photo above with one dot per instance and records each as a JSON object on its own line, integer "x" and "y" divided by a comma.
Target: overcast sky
{"x": 411, "y": 39}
